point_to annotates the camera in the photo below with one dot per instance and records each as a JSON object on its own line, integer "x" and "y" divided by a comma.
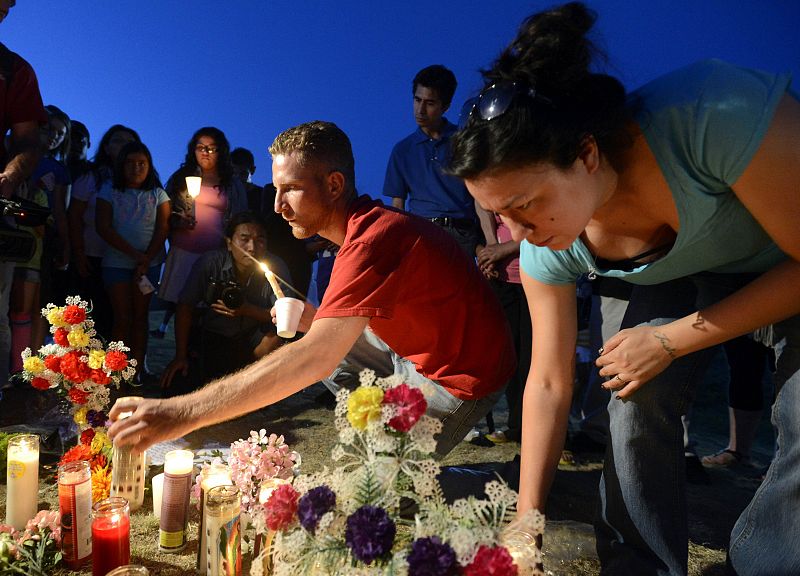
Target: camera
{"x": 19, "y": 245}
{"x": 226, "y": 290}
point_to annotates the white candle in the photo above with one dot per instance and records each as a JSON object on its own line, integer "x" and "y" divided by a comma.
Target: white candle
{"x": 272, "y": 279}
{"x": 158, "y": 490}
{"x": 128, "y": 468}
{"x": 268, "y": 486}
{"x": 215, "y": 475}
{"x": 193, "y": 185}
{"x": 178, "y": 466}
{"x": 22, "y": 480}
{"x": 223, "y": 531}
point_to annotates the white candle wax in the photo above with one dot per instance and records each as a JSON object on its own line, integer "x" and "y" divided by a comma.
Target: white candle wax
{"x": 22, "y": 480}
{"x": 268, "y": 487}
{"x": 193, "y": 185}
{"x": 158, "y": 490}
{"x": 178, "y": 462}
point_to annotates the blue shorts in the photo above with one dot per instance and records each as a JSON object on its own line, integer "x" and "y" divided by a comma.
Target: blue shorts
{"x": 113, "y": 275}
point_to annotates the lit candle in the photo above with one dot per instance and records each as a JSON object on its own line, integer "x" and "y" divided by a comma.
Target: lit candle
{"x": 193, "y": 185}
{"x": 158, "y": 488}
{"x": 128, "y": 470}
{"x": 22, "y": 480}
{"x": 272, "y": 279}
{"x": 111, "y": 535}
{"x": 521, "y": 545}
{"x": 223, "y": 531}
{"x": 217, "y": 474}
{"x": 268, "y": 486}
{"x": 75, "y": 505}
{"x": 178, "y": 465}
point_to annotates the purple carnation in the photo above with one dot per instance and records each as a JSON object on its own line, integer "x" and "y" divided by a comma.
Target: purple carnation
{"x": 369, "y": 533}
{"x": 431, "y": 557}
{"x": 96, "y": 418}
{"x": 313, "y": 505}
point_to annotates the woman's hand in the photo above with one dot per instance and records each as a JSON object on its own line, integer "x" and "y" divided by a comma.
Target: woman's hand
{"x": 633, "y": 356}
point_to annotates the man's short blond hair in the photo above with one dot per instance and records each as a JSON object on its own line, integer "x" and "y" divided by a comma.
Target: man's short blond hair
{"x": 318, "y": 143}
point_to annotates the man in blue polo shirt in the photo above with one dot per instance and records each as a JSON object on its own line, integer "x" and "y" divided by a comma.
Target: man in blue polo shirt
{"x": 415, "y": 167}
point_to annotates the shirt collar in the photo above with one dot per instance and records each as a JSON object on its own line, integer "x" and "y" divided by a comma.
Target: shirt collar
{"x": 448, "y": 128}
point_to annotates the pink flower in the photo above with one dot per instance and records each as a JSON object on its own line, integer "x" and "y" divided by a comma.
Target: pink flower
{"x": 409, "y": 404}
{"x": 494, "y": 561}
{"x": 281, "y": 507}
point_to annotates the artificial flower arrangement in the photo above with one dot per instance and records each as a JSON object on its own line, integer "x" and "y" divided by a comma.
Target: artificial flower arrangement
{"x": 79, "y": 367}
{"x": 252, "y": 461}
{"x": 36, "y": 550}
{"x": 348, "y": 520}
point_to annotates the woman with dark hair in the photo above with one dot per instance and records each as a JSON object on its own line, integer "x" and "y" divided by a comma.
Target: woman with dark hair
{"x": 132, "y": 217}
{"x": 87, "y": 246}
{"x": 197, "y": 224}
{"x": 692, "y": 179}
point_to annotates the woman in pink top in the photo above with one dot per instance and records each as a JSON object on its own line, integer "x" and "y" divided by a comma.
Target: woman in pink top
{"x": 196, "y": 225}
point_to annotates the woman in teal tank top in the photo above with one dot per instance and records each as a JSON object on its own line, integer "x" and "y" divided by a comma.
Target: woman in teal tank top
{"x": 693, "y": 179}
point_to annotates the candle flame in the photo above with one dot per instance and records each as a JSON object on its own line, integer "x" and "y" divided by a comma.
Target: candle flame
{"x": 264, "y": 267}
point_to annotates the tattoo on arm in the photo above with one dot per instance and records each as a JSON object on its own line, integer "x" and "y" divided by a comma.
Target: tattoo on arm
{"x": 661, "y": 337}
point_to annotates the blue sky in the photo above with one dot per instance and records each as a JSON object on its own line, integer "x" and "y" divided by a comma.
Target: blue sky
{"x": 256, "y": 67}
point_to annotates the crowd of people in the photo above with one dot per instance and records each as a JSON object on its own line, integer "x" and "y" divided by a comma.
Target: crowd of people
{"x": 681, "y": 196}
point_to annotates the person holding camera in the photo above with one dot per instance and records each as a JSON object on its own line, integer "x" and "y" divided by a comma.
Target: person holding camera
{"x": 235, "y": 300}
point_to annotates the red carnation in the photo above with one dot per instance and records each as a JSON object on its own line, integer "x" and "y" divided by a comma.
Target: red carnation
{"x": 53, "y": 363}
{"x": 60, "y": 337}
{"x": 87, "y": 436}
{"x": 281, "y": 506}
{"x": 78, "y": 396}
{"x": 76, "y": 453}
{"x": 73, "y": 368}
{"x": 99, "y": 376}
{"x": 116, "y": 360}
{"x": 40, "y": 383}
{"x": 495, "y": 561}
{"x": 409, "y": 404}
{"x": 74, "y": 314}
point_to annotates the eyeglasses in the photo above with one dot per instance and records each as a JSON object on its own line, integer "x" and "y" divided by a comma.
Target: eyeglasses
{"x": 495, "y": 100}
{"x": 206, "y": 149}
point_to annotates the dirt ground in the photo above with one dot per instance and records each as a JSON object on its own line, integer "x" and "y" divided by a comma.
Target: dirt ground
{"x": 307, "y": 426}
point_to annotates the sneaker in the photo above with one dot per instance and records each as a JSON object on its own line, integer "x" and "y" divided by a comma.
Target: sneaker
{"x": 724, "y": 459}
{"x": 157, "y": 334}
{"x": 498, "y": 437}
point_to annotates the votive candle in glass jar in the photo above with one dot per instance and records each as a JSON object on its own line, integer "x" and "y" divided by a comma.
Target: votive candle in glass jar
{"x": 217, "y": 474}
{"x": 223, "y": 531}
{"x": 75, "y": 505}
{"x": 111, "y": 535}
{"x": 22, "y": 480}
{"x": 128, "y": 470}
{"x": 129, "y": 570}
{"x": 178, "y": 466}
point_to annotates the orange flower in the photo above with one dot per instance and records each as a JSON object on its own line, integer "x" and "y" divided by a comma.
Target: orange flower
{"x": 116, "y": 360}
{"x": 101, "y": 484}
{"x": 74, "y": 314}
{"x": 79, "y": 452}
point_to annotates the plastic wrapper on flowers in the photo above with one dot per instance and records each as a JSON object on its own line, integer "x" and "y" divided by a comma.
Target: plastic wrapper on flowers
{"x": 78, "y": 366}
{"x": 380, "y": 508}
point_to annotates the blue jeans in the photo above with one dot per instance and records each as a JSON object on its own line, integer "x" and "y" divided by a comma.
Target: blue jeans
{"x": 457, "y": 416}
{"x": 642, "y": 527}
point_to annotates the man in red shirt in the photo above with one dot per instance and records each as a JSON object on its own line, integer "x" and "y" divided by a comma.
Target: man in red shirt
{"x": 403, "y": 298}
{"x": 21, "y": 113}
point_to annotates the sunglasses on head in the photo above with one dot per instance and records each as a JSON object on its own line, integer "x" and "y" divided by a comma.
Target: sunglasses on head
{"x": 495, "y": 100}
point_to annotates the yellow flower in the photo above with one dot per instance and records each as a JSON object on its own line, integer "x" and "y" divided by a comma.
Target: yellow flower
{"x": 80, "y": 416}
{"x": 100, "y": 441}
{"x": 33, "y": 364}
{"x": 78, "y": 338}
{"x": 364, "y": 406}
{"x": 56, "y": 317}
{"x": 96, "y": 358}
{"x": 101, "y": 483}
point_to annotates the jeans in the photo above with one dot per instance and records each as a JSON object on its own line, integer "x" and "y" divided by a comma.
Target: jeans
{"x": 642, "y": 526}
{"x": 457, "y": 416}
